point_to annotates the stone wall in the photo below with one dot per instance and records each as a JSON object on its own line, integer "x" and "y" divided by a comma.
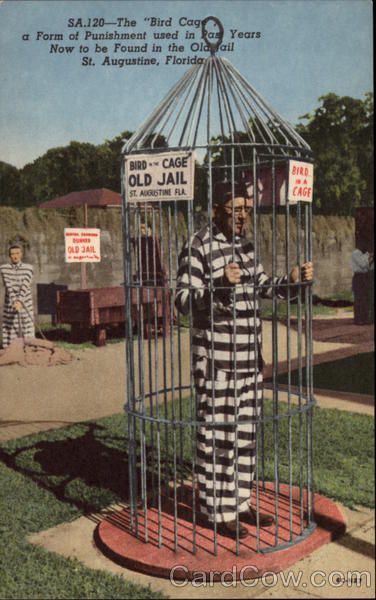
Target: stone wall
{"x": 41, "y": 232}
{"x": 333, "y": 240}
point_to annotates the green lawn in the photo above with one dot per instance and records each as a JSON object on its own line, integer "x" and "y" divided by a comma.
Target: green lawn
{"x": 267, "y": 310}
{"x": 351, "y": 374}
{"x": 343, "y": 454}
{"x": 54, "y": 477}
{"x": 61, "y": 336}
{"x": 51, "y": 479}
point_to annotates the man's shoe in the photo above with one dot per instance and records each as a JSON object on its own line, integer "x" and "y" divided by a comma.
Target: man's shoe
{"x": 250, "y": 517}
{"x": 202, "y": 519}
{"x": 228, "y": 529}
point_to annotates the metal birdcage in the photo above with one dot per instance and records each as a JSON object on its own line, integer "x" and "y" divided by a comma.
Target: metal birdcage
{"x": 235, "y": 138}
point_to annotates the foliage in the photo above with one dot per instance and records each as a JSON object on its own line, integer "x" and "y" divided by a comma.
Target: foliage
{"x": 78, "y": 166}
{"x": 340, "y": 132}
{"x": 9, "y": 184}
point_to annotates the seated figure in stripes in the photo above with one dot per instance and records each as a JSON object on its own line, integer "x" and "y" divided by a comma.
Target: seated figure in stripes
{"x": 219, "y": 283}
{"x": 18, "y": 314}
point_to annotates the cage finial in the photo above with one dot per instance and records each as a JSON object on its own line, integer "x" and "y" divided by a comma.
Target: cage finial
{"x": 219, "y": 36}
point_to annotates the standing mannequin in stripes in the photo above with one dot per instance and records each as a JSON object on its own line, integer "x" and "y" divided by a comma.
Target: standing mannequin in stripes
{"x": 18, "y": 314}
{"x": 219, "y": 282}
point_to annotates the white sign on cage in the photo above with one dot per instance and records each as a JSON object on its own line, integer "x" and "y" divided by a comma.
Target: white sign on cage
{"x": 162, "y": 176}
{"x": 300, "y": 181}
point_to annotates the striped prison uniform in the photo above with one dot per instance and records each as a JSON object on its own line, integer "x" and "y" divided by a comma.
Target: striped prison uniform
{"x": 227, "y": 364}
{"x": 17, "y": 282}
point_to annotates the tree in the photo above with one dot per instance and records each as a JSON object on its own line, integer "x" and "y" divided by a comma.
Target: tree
{"x": 340, "y": 133}
{"x": 111, "y": 152}
{"x": 78, "y": 166}
{"x": 9, "y": 184}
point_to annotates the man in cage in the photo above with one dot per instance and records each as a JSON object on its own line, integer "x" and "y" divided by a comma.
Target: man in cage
{"x": 18, "y": 315}
{"x": 227, "y": 357}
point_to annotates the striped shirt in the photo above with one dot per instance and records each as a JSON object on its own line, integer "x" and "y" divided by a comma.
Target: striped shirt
{"x": 226, "y": 318}
{"x": 17, "y": 280}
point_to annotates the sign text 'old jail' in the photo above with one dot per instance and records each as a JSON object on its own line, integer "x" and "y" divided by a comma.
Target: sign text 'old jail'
{"x": 163, "y": 176}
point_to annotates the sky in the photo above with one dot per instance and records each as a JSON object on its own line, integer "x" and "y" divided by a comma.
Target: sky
{"x": 48, "y": 98}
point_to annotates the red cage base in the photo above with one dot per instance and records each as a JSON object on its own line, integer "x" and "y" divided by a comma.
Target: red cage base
{"x": 255, "y": 557}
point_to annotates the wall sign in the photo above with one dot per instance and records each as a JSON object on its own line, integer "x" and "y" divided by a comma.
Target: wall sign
{"x": 82, "y": 245}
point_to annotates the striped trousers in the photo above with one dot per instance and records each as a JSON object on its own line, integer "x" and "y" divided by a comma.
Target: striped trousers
{"x": 226, "y": 454}
{"x": 17, "y": 324}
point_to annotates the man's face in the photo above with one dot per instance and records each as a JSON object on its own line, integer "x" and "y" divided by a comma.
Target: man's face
{"x": 249, "y": 205}
{"x": 231, "y": 217}
{"x": 15, "y": 255}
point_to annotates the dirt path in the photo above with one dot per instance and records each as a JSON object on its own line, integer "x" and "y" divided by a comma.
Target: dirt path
{"x": 93, "y": 385}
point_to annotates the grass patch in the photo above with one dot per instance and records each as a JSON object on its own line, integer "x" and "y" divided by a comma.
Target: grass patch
{"x": 343, "y": 454}
{"x": 317, "y": 310}
{"x": 267, "y": 312}
{"x": 73, "y": 346}
{"x": 61, "y": 336}
{"x": 343, "y": 447}
{"x": 56, "y": 476}
{"x": 49, "y": 479}
{"x": 351, "y": 374}
{"x": 344, "y": 295}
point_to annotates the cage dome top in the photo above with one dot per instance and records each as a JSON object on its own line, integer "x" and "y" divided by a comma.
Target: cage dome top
{"x": 211, "y": 105}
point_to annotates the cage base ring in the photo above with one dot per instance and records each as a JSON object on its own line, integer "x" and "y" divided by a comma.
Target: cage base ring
{"x": 114, "y": 538}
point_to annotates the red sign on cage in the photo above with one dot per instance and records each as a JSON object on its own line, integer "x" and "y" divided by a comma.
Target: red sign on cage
{"x": 300, "y": 181}
{"x": 273, "y": 184}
